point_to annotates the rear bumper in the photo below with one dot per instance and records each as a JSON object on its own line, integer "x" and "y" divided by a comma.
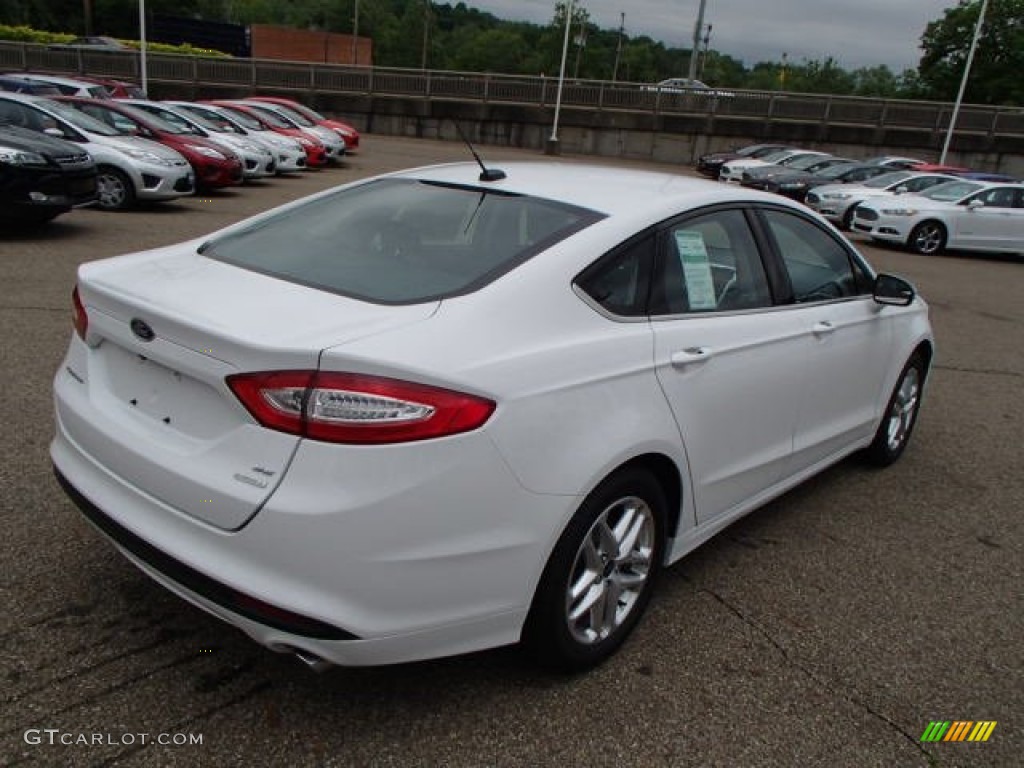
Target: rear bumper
{"x": 432, "y": 564}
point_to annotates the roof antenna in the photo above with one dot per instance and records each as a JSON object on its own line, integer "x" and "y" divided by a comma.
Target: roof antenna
{"x": 486, "y": 174}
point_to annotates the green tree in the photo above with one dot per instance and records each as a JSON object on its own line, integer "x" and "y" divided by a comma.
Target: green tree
{"x": 996, "y": 71}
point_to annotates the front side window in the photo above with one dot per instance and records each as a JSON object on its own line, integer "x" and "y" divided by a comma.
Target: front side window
{"x": 710, "y": 263}
{"x": 819, "y": 267}
{"x": 999, "y": 197}
{"x": 401, "y": 241}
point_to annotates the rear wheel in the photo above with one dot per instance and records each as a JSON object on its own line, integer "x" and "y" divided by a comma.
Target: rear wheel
{"x": 927, "y": 238}
{"x": 900, "y": 415}
{"x": 601, "y": 573}
{"x": 114, "y": 190}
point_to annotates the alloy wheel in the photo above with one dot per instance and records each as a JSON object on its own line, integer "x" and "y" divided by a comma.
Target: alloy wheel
{"x": 612, "y": 565}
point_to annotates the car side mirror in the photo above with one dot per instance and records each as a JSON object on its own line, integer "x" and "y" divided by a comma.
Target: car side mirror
{"x": 893, "y": 291}
{"x": 900, "y": 190}
{"x": 975, "y": 205}
{"x": 57, "y": 133}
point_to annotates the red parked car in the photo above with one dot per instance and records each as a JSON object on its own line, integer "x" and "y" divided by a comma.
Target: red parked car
{"x": 346, "y": 131}
{"x": 316, "y": 152}
{"x": 214, "y": 165}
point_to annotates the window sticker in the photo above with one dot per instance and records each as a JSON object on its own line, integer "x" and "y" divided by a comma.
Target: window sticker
{"x": 693, "y": 255}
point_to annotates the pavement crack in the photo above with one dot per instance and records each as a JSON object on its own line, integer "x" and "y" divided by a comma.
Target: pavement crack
{"x": 818, "y": 679}
{"x": 31, "y": 308}
{"x": 116, "y": 687}
{"x": 983, "y": 371}
{"x": 162, "y": 639}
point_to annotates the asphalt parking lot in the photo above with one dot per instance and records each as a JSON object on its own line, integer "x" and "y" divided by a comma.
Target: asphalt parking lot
{"x": 827, "y": 629}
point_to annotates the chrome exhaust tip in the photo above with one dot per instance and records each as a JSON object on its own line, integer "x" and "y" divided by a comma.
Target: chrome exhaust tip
{"x": 311, "y": 660}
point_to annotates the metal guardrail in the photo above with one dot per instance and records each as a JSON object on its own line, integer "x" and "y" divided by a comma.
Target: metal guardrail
{"x": 769, "y": 106}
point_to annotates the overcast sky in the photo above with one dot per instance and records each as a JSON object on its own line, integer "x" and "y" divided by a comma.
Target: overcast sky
{"x": 856, "y": 33}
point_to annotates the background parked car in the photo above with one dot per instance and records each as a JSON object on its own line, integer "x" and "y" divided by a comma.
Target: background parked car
{"x": 332, "y": 140}
{"x": 958, "y": 215}
{"x": 290, "y": 154}
{"x": 214, "y": 166}
{"x": 758, "y": 178}
{"x": 22, "y": 84}
{"x": 836, "y": 202}
{"x": 71, "y": 86}
{"x": 118, "y": 89}
{"x": 349, "y": 134}
{"x": 42, "y": 177}
{"x": 732, "y": 171}
{"x": 316, "y": 152}
{"x": 711, "y": 164}
{"x": 796, "y": 184}
{"x": 130, "y": 169}
{"x": 258, "y": 162}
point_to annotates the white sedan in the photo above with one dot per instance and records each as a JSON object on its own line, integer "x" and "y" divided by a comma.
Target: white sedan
{"x": 732, "y": 171}
{"x": 444, "y": 410}
{"x": 836, "y": 202}
{"x": 959, "y": 215}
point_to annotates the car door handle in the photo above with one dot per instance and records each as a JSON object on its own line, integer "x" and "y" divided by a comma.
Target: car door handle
{"x": 690, "y": 356}
{"x": 824, "y": 328}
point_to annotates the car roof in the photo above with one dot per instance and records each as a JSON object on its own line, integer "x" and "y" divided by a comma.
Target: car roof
{"x": 613, "y": 191}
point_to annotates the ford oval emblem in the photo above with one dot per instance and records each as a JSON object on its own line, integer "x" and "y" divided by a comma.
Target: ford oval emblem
{"x": 141, "y": 329}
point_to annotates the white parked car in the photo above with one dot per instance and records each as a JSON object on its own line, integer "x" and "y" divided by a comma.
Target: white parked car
{"x": 130, "y": 168}
{"x": 836, "y": 202}
{"x": 332, "y": 140}
{"x": 69, "y": 86}
{"x": 958, "y": 215}
{"x": 290, "y": 154}
{"x": 429, "y": 413}
{"x": 732, "y": 171}
{"x": 258, "y": 162}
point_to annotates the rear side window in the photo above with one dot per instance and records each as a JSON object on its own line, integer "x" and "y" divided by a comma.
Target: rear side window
{"x": 711, "y": 263}
{"x": 401, "y": 241}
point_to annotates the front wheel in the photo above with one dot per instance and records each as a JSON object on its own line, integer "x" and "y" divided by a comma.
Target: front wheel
{"x": 114, "y": 190}
{"x": 927, "y": 238}
{"x": 900, "y": 415}
{"x": 600, "y": 575}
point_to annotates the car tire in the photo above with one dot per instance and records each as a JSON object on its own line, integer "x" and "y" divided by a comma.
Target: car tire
{"x": 612, "y": 549}
{"x": 114, "y": 190}
{"x": 927, "y": 238}
{"x": 847, "y": 222}
{"x": 900, "y": 415}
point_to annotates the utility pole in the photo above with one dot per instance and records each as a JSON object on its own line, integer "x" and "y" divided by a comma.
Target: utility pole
{"x": 355, "y": 35}
{"x": 704, "y": 51}
{"x": 694, "y": 51}
{"x": 581, "y": 43}
{"x": 426, "y": 33}
{"x": 963, "y": 82}
{"x": 618, "y": 48}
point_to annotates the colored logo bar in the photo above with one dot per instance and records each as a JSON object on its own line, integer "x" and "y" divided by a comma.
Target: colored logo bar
{"x": 958, "y": 730}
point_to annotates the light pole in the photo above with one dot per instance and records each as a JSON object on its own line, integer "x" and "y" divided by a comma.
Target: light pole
{"x": 552, "y": 147}
{"x": 144, "y": 82}
{"x": 963, "y": 82}
{"x": 697, "y": 29}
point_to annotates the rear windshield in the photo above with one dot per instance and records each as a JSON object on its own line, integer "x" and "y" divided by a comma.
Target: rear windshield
{"x": 401, "y": 241}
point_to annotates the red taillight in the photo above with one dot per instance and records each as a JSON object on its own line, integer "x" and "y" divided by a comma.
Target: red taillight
{"x": 355, "y": 408}
{"x": 79, "y": 318}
